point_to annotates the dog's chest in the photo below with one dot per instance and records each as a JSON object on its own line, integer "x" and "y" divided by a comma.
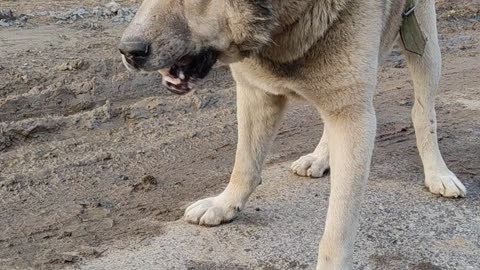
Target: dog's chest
{"x": 265, "y": 78}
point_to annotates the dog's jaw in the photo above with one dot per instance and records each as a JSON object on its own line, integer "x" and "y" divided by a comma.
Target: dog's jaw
{"x": 181, "y": 77}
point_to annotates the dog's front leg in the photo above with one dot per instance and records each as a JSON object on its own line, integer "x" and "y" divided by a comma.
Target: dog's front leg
{"x": 351, "y": 135}
{"x": 259, "y": 115}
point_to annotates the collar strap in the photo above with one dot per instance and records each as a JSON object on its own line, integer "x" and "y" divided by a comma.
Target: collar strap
{"x": 410, "y": 6}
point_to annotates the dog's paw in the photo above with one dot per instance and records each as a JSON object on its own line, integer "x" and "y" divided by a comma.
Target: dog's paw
{"x": 212, "y": 211}
{"x": 446, "y": 185}
{"x": 311, "y": 165}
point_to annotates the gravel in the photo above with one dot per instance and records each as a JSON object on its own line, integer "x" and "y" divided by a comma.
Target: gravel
{"x": 112, "y": 11}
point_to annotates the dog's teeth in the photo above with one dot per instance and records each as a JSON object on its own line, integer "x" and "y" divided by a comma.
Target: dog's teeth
{"x": 164, "y": 71}
{"x": 181, "y": 75}
{"x": 168, "y": 78}
{"x": 172, "y": 80}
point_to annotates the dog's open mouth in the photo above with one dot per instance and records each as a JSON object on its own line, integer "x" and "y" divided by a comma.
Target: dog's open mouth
{"x": 181, "y": 77}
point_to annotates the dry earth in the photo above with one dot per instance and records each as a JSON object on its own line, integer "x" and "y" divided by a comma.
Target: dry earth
{"x": 93, "y": 158}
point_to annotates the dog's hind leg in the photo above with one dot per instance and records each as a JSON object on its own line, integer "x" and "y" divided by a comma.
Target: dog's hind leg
{"x": 425, "y": 71}
{"x": 259, "y": 115}
{"x": 314, "y": 164}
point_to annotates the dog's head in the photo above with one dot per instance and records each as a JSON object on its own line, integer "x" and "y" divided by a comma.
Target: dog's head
{"x": 183, "y": 39}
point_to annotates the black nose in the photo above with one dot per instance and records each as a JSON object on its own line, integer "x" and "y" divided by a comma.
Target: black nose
{"x": 134, "y": 49}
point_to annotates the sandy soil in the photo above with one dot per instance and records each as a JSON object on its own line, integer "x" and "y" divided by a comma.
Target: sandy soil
{"x": 92, "y": 157}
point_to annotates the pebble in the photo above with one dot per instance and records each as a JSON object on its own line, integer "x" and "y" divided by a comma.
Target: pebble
{"x": 113, "y": 6}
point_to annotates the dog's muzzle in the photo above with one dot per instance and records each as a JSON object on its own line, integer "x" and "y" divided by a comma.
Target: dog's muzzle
{"x": 178, "y": 78}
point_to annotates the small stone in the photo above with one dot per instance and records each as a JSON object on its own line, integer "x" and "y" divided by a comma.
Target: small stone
{"x": 113, "y": 6}
{"x": 149, "y": 180}
{"x": 147, "y": 183}
{"x": 80, "y": 13}
{"x": 23, "y": 19}
{"x": 4, "y": 23}
{"x": 62, "y": 67}
{"x": 73, "y": 65}
{"x": 70, "y": 256}
{"x": 42, "y": 13}
{"x": 65, "y": 234}
{"x": 405, "y": 102}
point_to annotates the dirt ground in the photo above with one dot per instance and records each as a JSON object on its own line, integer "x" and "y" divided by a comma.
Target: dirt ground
{"x": 92, "y": 157}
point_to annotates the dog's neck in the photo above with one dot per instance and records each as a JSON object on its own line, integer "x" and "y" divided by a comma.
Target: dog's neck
{"x": 301, "y": 24}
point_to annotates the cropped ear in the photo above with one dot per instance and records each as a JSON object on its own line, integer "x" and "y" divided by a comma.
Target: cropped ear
{"x": 251, "y": 23}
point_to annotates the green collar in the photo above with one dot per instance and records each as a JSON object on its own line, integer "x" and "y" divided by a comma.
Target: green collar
{"x": 411, "y": 33}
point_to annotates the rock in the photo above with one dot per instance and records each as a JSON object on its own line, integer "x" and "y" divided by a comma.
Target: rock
{"x": 149, "y": 180}
{"x": 4, "y": 23}
{"x": 23, "y": 19}
{"x": 147, "y": 183}
{"x": 405, "y": 102}
{"x": 124, "y": 15}
{"x": 72, "y": 65}
{"x": 70, "y": 257}
{"x": 80, "y": 12}
{"x": 93, "y": 159}
{"x": 8, "y": 18}
{"x": 399, "y": 63}
{"x": 7, "y": 15}
{"x": 73, "y": 15}
{"x": 42, "y": 13}
{"x": 113, "y": 6}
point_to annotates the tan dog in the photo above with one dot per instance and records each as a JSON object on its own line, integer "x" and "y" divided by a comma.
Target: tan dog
{"x": 325, "y": 52}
